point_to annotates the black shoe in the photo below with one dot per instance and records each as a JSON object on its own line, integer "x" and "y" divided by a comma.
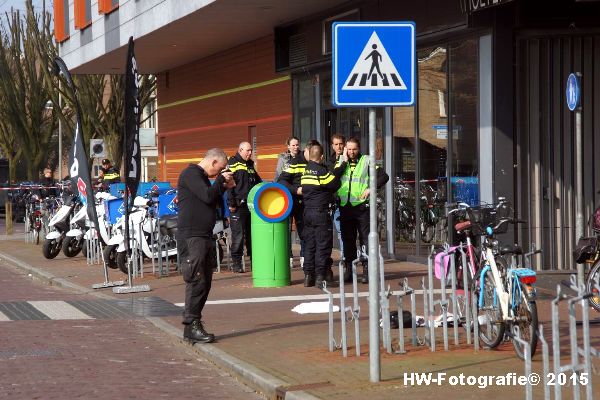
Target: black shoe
{"x": 347, "y": 273}
{"x": 309, "y": 280}
{"x": 237, "y": 268}
{"x": 365, "y": 275}
{"x": 321, "y": 281}
{"x": 195, "y": 333}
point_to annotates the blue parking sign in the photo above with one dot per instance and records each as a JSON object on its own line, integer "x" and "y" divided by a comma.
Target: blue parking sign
{"x": 374, "y": 64}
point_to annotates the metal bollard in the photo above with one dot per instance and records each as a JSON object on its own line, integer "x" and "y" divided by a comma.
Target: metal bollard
{"x": 356, "y": 307}
{"x": 475, "y": 321}
{"x": 454, "y": 300}
{"x": 444, "y": 306}
{"x": 429, "y": 335}
{"x": 466, "y": 291}
{"x": 406, "y": 291}
{"x": 343, "y": 309}
{"x": 545, "y": 361}
{"x": 153, "y": 250}
{"x": 430, "y": 311}
{"x": 331, "y": 340}
{"x": 385, "y": 307}
{"x": 516, "y": 335}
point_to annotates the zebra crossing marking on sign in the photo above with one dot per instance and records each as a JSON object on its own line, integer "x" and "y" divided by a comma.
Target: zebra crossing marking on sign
{"x": 374, "y": 64}
{"x": 374, "y": 69}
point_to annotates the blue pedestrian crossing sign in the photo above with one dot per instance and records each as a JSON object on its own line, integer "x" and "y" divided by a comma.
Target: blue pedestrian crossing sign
{"x": 373, "y": 64}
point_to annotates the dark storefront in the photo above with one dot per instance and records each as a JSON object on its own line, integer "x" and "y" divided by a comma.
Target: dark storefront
{"x": 484, "y": 70}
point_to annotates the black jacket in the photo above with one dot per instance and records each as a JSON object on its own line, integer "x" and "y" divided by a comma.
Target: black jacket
{"x": 245, "y": 177}
{"x": 318, "y": 186}
{"x": 291, "y": 176}
{"x": 49, "y": 189}
{"x": 198, "y": 201}
{"x": 332, "y": 161}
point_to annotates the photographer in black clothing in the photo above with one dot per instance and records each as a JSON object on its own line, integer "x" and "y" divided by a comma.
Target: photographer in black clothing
{"x": 245, "y": 177}
{"x": 198, "y": 201}
{"x": 49, "y": 184}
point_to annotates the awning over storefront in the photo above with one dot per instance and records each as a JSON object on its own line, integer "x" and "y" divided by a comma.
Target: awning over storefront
{"x": 167, "y": 34}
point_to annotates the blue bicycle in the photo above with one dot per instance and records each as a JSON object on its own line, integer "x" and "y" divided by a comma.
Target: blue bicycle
{"x": 505, "y": 293}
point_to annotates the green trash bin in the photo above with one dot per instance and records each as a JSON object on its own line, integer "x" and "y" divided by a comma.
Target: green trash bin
{"x": 270, "y": 204}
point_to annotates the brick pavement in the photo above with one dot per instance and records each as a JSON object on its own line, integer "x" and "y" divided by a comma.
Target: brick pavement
{"x": 293, "y": 347}
{"x": 98, "y": 359}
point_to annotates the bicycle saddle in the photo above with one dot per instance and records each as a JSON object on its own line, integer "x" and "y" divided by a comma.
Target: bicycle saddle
{"x": 511, "y": 249}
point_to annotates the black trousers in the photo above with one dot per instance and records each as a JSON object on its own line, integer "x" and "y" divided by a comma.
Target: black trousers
{"x": 353, "y": 220}
{"x": 318, "y": 241}
{"x": 240, "y": 233}
{"x": 298, "y": 215}
{"x": 197, "y": 259}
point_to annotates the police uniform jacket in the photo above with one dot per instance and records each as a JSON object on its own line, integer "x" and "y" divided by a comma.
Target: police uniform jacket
{"x": 318, "y": 186}
{"x": 110, "y": 175}
{"x": 245, "y": 177}
{"x": 349, "y": 166}
{"x": 292, "y": 175}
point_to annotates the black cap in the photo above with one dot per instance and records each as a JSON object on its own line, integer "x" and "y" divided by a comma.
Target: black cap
{"x": 105, "y": 161}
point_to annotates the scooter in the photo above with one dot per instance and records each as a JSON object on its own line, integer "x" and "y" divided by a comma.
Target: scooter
{"x": 74, "y": 240}
{"x": 59, "y": 224}
{"x": 147, "y": 238}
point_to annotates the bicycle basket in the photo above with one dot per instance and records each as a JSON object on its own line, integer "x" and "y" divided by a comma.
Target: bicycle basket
{"x": 481, "y": 217}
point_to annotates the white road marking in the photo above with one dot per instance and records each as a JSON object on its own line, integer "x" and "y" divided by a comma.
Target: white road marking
{"x": 59, "y": 310}
{"x": 3, "y": 317}
{"x": 299, "y": 298}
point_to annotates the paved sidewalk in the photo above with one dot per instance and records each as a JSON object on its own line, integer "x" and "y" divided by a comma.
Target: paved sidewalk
{"x": 279, "y": 352}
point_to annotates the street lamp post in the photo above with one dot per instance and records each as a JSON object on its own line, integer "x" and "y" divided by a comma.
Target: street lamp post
{"x": 60, "y": 173}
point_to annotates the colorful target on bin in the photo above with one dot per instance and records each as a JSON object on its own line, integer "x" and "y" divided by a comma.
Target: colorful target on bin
{"x": 272, "y": 202}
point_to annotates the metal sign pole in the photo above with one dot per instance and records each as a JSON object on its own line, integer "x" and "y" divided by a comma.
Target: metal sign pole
{"x": 374, "y": 65}
{"x": 573, "y": 95}
{"x": 374, "y": 357}
{"x": 579, "y": 182}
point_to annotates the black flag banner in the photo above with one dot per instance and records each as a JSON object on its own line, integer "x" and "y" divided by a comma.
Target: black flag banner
{"x": 78, "y": 162}
{"x": 132, "y": 122}
{"x": 132, "y": 134}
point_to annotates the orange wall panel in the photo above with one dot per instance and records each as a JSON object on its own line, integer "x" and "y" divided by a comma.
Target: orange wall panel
{"x": 187, "y": 130}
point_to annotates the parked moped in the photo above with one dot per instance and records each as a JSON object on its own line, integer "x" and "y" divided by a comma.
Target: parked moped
{"x": 60, "y": 225}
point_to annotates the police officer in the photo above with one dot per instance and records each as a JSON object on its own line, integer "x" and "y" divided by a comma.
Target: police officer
{"x": 290, "y": 178}
{"x": 283, "y": 161}
{"x": 318, "y": 186}
{"x": 354, "y": 201}
{"x": 245, "y": 177}
{"x": 108, "y": 173}
{"x": 338, "y": 142}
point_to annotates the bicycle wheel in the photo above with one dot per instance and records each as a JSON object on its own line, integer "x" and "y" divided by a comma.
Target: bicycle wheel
{"x": 489, "y": 314}
{"x": 527, "y": 321}
{"x": 593, "y": 280}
